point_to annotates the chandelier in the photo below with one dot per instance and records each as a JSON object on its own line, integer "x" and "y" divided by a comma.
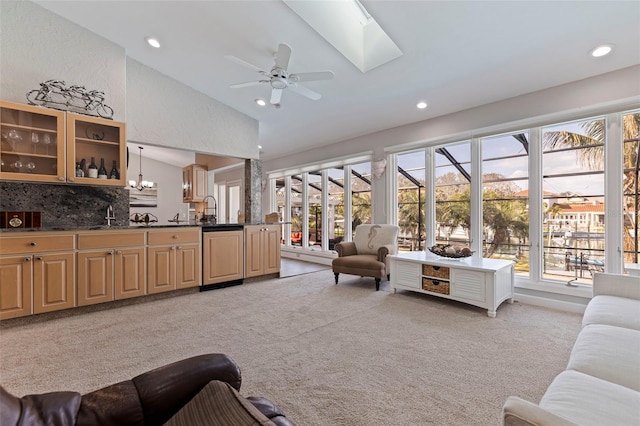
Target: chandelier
{"x": 140, "y": 184}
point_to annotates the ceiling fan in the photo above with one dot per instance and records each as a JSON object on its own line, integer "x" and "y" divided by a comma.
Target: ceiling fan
{"x": 279, "y": 78}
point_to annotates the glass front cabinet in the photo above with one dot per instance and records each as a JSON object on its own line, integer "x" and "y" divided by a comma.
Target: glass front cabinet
{"x": 46, "y": 145}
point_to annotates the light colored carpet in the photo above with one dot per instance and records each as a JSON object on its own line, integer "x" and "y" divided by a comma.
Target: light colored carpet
{"x": 326, "y": 354}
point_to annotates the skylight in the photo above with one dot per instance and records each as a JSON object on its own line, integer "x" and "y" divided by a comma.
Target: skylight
{"x": 349, "y": 28}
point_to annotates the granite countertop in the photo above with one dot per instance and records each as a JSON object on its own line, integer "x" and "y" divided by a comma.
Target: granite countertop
{"x": 207, "y": 225}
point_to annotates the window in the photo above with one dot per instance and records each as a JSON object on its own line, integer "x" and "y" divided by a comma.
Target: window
{"x": 630, "y": 184}
{"x": 453, "y": 194}
{"x": 335, "y": 208}
{"x": 573, "y": 185}
{"x": 296, "y": 210}
{"x": 314, "y": 197}
{"x": 505, "y": 198}
{"x": 360, "y": 194}
{"x": 411, "y": 201}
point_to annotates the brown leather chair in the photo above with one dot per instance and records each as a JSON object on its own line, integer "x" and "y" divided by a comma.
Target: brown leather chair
{"x": 151, "y": 398}
{"x": 367, "y": 254}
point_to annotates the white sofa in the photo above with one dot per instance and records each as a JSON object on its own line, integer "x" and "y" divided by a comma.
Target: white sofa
{"x": 601, "y": 384}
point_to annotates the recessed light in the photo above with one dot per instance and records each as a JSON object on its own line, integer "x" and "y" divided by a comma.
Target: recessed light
{"x": 259, "y": 146}
{"x": 599, "y": 51}
{"x": 261, "y": 102}
{"x": 421, "y": 105}
{"x": 153, "y": 42}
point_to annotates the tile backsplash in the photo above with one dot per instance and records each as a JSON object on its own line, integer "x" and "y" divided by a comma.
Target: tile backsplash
{"x": 66, "y": 205}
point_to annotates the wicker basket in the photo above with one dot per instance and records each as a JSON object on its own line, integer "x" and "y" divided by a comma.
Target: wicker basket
{"x": 435, "y": 271}
{"x": 435, "y": 286}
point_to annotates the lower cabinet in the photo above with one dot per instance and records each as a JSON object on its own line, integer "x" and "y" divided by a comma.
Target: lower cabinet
{"x": 37, "y": 273}
{"x": 110, "y": 266}
{"x": 53, "y": 282}
{"x": 262, "y": 250}
{"x": 173, "y": 259}
{"x": 223, "y": 256}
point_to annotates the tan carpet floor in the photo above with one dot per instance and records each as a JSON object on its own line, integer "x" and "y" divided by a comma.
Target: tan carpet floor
{"x": 326, "y": 354}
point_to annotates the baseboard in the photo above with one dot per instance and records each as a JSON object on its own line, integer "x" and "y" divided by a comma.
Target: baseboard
{"x": 547, "y": 302}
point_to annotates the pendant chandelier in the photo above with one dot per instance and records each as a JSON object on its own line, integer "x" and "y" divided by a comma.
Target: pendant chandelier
{"x": 140, "y": 184}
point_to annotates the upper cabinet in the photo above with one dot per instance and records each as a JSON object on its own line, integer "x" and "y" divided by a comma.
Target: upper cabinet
{"x": 36, "y": 145}
{"x": 194, "y": 183}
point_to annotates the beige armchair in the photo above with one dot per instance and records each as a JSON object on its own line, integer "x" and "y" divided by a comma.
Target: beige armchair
{"x": 367, "y": 254}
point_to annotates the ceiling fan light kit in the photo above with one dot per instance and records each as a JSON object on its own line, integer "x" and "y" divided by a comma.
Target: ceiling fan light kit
{"x": 279, "y": 78}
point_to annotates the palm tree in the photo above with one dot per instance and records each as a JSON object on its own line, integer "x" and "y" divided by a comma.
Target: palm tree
{"x": 592, "y": 156}
{"x": 411, "y": 214}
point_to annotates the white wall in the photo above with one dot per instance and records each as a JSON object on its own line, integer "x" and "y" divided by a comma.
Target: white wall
{"x": 169, "y": 182}
{"x": 609, "y": 92}
{"x": 37, "y": 45}
{"x": 190, "y": 119}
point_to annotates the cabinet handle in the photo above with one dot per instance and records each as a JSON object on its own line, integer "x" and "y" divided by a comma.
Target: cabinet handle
{"x": 175, "y": 237}
{"x": 39, "y": 258}
{"x": 32, "y": 243}
{"x": 119, "y": 252}
{"x": 71, "y": 179}
{"x": 179, "y": 247}
{"x": 61, "y": 179}
{"x": 110, "y": 252}
{"x": 27, "y": 259}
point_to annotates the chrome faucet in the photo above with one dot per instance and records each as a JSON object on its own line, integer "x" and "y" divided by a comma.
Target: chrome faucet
{"x": 205, "y": 216}
{"x": 110, "y": 215}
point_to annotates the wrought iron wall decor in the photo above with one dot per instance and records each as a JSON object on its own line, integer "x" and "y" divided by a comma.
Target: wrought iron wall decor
{"x": 56, "y": 94}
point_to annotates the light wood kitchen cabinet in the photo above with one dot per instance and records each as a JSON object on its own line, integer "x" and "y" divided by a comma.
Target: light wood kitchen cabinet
{"x": 99, "y": 138}
{"x": 37, "y": 273}
{"x": 111, "y": 265}
{"x": 36, "y": 145}
{"x": 194, "y": 183}
{"x": 262, "y": 250}
{"x": 15, "y": 286}
{"x": 222, "y": 256}
{"x": 173, "y": 259}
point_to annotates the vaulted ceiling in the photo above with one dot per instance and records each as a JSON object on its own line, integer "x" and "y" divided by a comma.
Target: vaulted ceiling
{"x": 456, "y": 55}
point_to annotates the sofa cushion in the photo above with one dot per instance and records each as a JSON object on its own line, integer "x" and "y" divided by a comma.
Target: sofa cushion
{"x": 218, "y": 404}
{"x": 359, "y": 264}
{"x": 587, "y": 400}
{"x": 613, "y": 310}
{"x": 608, "y": 353}
{"x": 368, "y": 238}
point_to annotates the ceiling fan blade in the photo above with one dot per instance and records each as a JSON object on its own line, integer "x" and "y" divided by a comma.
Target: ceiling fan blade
{"x": 283, "y": 55}
{"x": 248, "y": 84}
{"x": 246, "y": 64}
{"x": 301, "y": 90}
{"x": 276, "y": 95}
{"x": 312, "y": 76}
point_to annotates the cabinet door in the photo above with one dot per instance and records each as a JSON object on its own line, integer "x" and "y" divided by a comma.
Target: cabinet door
{"x": 161, "y": 269}
{"x": 53, "y": 282}
{"x": 187, "y": 185}
{"x": 130, "y": 276}
{"x": 469, "y": 285}
{"x": 406, "y": 274}
{"x": 199, "y": 183}
{"x": 253, "y": 251}
{"x": 99, "y": 138}
{"x": 222, "y": 256}
{"x": 188, "y": 265}
{"x": 15, "y": 286}
{"x": 95, "y": 277}
{"x": 33, "y": 143}
{"x": 271, "y": 250}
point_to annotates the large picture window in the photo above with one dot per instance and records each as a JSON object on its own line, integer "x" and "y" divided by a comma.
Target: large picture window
{"x": 505, "y": 198}
{"x": 411, "y": 201}
{"x": 453, "y": 194}
{"x": 573, "y": 194}
{"x": 630, "y": 184}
